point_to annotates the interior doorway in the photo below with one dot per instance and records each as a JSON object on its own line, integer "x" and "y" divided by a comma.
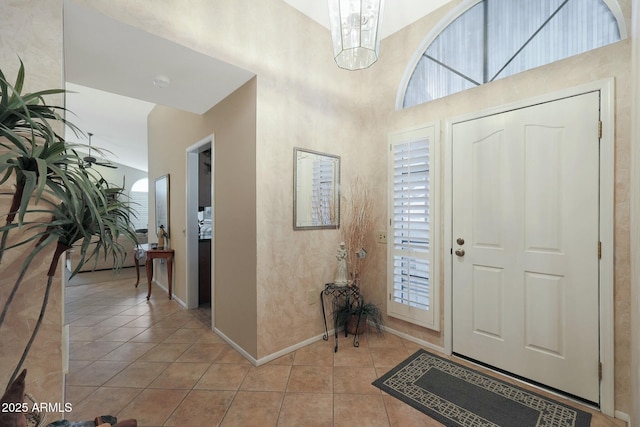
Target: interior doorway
{"x": 199, "y": 228}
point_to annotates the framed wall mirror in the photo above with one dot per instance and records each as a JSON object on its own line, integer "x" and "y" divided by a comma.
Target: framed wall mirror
{"x": 162, "y": 203}
{"x": 316, "y": 190}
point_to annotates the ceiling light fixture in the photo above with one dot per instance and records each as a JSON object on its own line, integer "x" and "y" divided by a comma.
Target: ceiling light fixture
{"x": 355, "y": 31}
{"x": 161, "y": 81}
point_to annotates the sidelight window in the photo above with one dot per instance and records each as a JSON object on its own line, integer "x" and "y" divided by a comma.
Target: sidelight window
{"x": 412, "y": 282}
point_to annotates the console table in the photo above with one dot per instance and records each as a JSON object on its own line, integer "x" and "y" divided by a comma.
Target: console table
{"x": 151, "y": 254}
{"x": 351, "y": 294}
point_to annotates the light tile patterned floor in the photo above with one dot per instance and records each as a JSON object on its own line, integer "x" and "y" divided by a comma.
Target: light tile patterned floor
{"x": 161, "y": 364}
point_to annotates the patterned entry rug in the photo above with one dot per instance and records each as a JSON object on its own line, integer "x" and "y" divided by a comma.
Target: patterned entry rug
{"x": 459, "y": 396}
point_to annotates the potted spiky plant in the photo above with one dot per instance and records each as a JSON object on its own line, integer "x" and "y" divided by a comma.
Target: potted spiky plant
{"x": 96, "y": 222}
{"x": 356, "y": 318}
{"x": 55, "y": 200}
{"x": 34, "y": 153}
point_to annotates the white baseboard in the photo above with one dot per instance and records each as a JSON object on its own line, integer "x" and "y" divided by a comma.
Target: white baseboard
{"x": 173, "y": 296}
{"x": 284, "y": 351}
{"x": 236, "y": 347}
{"x": 273, "y": 356}
{"x": 624, "y": 417}
{"x": 418, "y": 341}
{"x": 288, "y": 350}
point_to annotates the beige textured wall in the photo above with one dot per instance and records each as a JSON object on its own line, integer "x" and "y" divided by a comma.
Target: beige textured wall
{"x": 610, "y": 61}
{"x": 233, "y": 123}
{"x": 170, "y": 132}
{"x": 304, "y": 100}
{"x": 35, "y": 35}
{"x": 635, "y": 219}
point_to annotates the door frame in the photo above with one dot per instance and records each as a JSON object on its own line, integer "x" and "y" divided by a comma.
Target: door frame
{"x": 606, "y": 222}
{"x": 191, "y": 227}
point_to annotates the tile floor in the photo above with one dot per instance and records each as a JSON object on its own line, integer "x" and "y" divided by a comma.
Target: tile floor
{"x": 161, "y": 364}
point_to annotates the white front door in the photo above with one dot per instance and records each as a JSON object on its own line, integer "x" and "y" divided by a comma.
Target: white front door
{"x": 525, "y": 234}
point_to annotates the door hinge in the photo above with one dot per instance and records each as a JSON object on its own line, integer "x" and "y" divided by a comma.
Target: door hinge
{"x": 600, "y": 371}
{"x": 599, "y": 250}
{"x": 599, "y": 129}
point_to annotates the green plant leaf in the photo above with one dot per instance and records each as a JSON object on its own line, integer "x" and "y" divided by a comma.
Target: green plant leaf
{"x": 19, "y": 78}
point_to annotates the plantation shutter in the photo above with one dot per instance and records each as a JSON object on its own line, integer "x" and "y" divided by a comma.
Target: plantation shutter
{"x": 411, "y": 295}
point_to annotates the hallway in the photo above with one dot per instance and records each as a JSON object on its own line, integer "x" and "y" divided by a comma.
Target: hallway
{"x": 159, "y": 363}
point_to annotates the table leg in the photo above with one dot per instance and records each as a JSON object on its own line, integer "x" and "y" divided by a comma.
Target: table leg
{"x": 169, "y": 273}
{"x": 135, "y": 261}
{"x": 149, "y": 268}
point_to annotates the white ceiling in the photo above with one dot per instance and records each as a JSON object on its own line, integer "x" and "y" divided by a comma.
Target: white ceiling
{"x": 119, "y": 123}
{"x": 110, "y": 68}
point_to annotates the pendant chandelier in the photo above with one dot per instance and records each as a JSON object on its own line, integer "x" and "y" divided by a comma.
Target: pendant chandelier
{"x": 355, "y": 31}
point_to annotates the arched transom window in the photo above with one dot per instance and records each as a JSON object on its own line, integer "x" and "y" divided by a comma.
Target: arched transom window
{"x": 487, "y": 40}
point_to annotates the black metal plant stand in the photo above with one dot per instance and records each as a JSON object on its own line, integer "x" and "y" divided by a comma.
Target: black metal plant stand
{"x": 351, "y": 294}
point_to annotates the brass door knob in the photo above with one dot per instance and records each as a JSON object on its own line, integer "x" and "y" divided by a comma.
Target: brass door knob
{"x": 460, "y": 252}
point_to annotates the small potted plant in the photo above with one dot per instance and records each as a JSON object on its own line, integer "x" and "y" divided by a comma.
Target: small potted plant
{"x": 358, "y": 316}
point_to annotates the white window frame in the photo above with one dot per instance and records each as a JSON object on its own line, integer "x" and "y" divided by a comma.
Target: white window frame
{"x": 428, "y": 318}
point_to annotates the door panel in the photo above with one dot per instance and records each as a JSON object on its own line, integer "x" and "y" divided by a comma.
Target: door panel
{"x": 525, "y": 201}
{"x": 488, "y": 292}
{"x": 544, "y": 313}
{"x": 489, "y": 166}
{"x": 543, "y": 179}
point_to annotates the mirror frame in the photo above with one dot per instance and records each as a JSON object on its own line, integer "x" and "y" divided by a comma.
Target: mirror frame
{"x": 296, "y": 196}
{"x": 162, "y": 203}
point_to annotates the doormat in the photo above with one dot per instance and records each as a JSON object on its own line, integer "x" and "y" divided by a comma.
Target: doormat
{"x": 459, "y": 396}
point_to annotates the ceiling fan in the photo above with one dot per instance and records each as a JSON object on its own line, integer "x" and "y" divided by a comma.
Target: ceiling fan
{"x": 90, "y": 160}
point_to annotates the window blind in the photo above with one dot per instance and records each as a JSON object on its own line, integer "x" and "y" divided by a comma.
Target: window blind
{"x": 140, "y": 205}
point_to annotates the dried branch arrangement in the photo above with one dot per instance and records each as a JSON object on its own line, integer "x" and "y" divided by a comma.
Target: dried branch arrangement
{"x": 357, "y": 225}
